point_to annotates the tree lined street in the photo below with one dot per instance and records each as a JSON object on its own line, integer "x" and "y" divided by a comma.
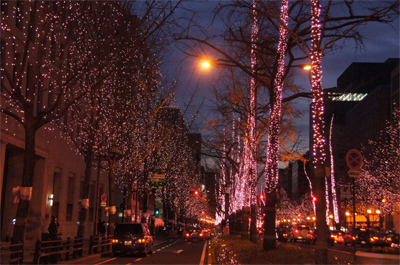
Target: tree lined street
{"x": 87, "y": 112}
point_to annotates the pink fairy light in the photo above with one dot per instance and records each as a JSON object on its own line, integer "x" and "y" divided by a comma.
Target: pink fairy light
{"x": 271, "y": 166}
{"x": 333, "y": 182}
{"x": 311, "y": 190}
{"x": 317, "y": 92}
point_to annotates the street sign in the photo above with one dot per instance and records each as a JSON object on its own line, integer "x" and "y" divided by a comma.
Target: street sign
{"x": 103, "y": 197}
{"x": 354, "y": 173}
{"x": 354, "y": 159}
{"x": 103, "y": 204}
{"x": 157, "y": 181}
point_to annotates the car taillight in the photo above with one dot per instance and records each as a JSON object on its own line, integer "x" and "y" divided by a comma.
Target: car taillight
{"x": 187, "y": 235}
{"x": 389, "y": 239}
{"x": 284, "y": 234}
{"x": 141, "y": 240}
{"x": 201, "y": 234}
{"x": 333, "y": 236}
{"x": 115, "y": 240}
{"x": 296, "y": 231}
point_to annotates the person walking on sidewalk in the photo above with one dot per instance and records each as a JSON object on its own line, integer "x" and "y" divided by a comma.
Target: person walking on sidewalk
{"x": 53, "y": 228}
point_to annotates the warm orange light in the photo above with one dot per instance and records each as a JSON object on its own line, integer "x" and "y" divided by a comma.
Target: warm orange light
{"x": 205, "y": 64}
{"x": 306, "y": 67}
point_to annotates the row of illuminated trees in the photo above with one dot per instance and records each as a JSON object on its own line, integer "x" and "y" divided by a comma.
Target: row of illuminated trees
{"x": 255, "y": 117}
{"x": 92, "y": 69}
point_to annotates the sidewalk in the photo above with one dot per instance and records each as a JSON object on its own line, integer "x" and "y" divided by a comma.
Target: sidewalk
{"x": 29, "y": 248}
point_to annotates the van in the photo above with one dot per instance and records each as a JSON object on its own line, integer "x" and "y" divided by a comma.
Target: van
{"x": 130, "y": 238}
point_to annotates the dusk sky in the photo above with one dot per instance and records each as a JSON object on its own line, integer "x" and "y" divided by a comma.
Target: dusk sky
{"x": 381, "y": 42}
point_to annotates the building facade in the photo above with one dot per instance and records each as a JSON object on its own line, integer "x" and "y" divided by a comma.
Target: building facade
{"x": 355, "y": 112}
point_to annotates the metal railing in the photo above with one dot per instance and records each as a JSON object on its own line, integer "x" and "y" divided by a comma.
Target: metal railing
{"x": 100, "y": 244}
{"x": 12, "y": 253}
{"x": 57, "y": 250}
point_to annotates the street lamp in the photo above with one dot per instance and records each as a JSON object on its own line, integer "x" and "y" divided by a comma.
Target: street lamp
{"x": 205, "y": 64}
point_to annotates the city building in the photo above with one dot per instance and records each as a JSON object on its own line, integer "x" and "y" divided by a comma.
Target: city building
{"x": 355, "y": 112}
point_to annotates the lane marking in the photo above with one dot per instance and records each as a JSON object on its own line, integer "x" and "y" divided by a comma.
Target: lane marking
{"x": 138, "y": 259}
{"x": 178, "y": 251}
{"x": 203, "y": 254}
{"x": 341, "y": 251}
{"x": 105, "y": 261}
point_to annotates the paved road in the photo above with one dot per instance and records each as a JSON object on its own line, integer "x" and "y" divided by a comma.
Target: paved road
{"x": 176, "y": 251}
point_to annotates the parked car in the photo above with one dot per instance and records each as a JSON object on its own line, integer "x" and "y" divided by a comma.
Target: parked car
{"x": 193, "y": 234}
{"x": 130, "y": 238}
{"x": 299, "y": 232}
{"x": 312, "y": 238}
{"x": 338, "y": 236}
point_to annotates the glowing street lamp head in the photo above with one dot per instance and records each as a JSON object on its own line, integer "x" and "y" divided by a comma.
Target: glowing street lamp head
{"x": 205, "y": 64}
{"x": 306, "y": 66}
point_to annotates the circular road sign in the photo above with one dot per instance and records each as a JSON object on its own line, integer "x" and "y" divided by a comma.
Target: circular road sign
{"x": 103, "y": 197}
{"x": 354, "y": 159}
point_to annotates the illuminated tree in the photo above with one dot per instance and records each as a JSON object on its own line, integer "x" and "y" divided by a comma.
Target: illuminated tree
{"x": 294, "y": 210}
{"x": 50, "y": 59}
{"x": 315, "y": 32}
{"x": 175, "y": 157}
{"x": 379, "y": 177}
{"x": 115, "y": 121}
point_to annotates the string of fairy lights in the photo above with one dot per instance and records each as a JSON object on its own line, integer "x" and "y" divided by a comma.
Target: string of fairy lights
{"x": 333, "y": 181}
{"x": 271, "y": 166}
{"x": 317, "y": 108}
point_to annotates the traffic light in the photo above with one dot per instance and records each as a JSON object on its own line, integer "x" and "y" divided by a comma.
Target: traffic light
{"x": 196, "y": 192}
{"x": 314, "y": 199}
{"x": 382, "y": 200}
{"x": 157, "y": 212}
{"x": 261, "y": 197}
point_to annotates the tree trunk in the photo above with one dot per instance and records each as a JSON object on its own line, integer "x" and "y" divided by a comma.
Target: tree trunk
{"x": 253, "y": 224}
{"x": 27, "y": 181}
{"x": 111, "y": 188}
{"x": 269, "y": 242}
{"x": 245, "y": 223}
{"x": 321, "y": 245}
{"x": 86, "y": 182}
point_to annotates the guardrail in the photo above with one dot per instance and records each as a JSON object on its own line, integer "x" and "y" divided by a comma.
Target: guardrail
{"x": 53, "y": 251}
{"x": 100, "y": 244}
{"x": 12, "y": 253}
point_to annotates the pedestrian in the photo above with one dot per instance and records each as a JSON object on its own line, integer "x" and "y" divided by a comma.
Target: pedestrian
{"x": 53, "y": 228}
{"x": 53, "y": 234}
{"x": 101, "y": 227}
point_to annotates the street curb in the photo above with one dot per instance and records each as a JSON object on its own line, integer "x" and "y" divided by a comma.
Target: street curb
{"x": 376, "y": 258}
